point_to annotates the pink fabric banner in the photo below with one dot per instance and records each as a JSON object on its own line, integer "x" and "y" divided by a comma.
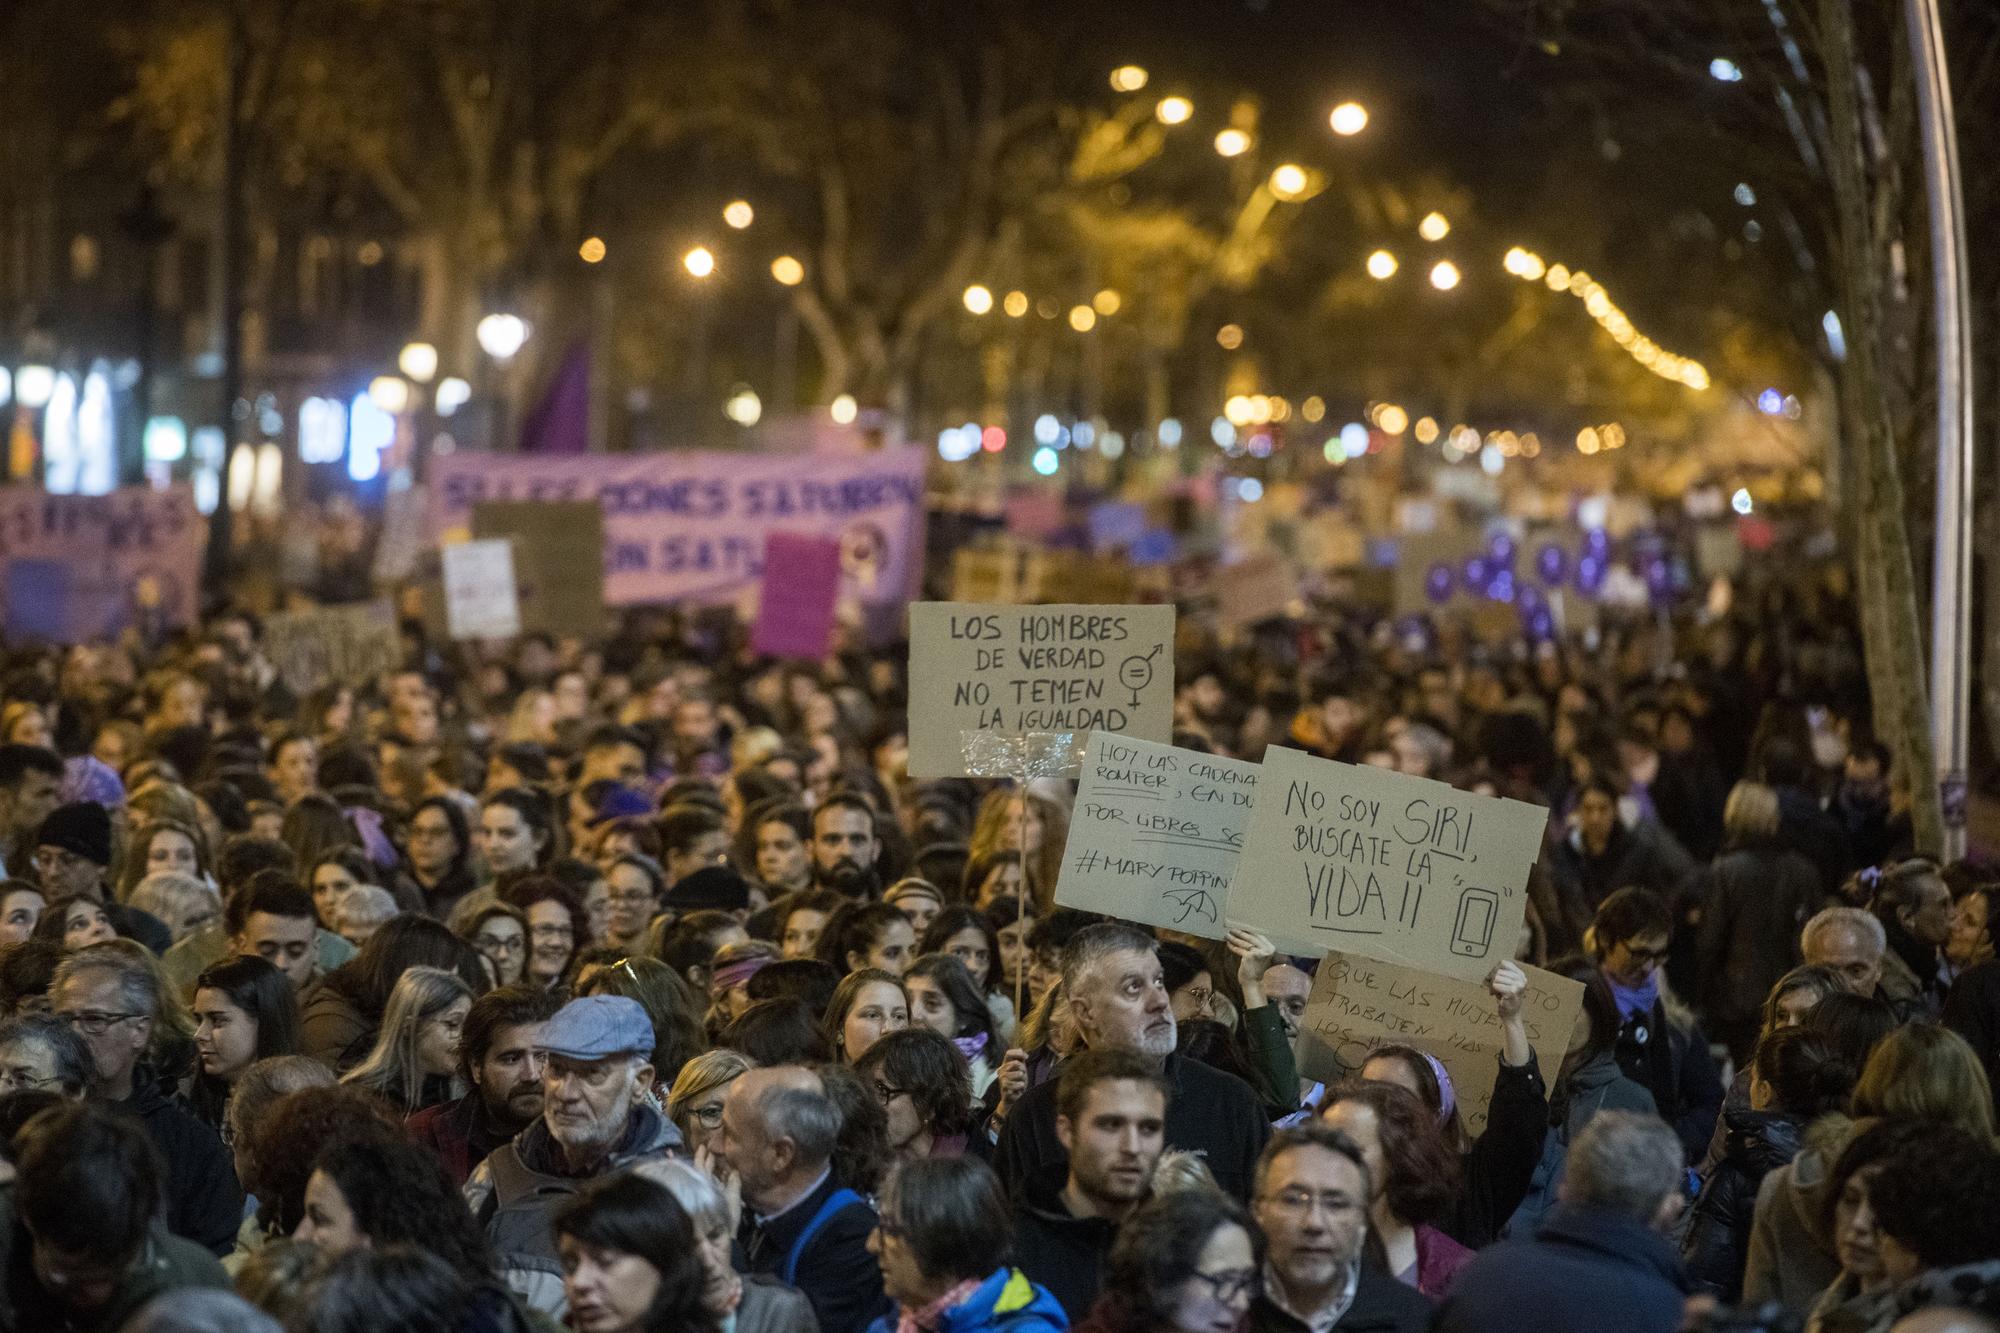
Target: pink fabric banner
{"x": 690, "y": 526}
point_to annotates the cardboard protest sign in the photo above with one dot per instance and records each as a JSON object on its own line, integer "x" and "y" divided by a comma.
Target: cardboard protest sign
{"x": 1155, "y": 834}
{"x": 1385, "y": 865}
{"x": 333, "y": 645}
{"x": 1252, "y": 590}
{"x": 801, "y": 584}
{"x": 401, "y": 544}
{"x": 481, "y": 600}
{"x": 1359, "y": 1004}
{"x": 558, "y": 561}
{"x": 1017, "y": 669}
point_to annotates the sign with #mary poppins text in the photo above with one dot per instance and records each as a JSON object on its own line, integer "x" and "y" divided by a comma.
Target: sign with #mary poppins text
{"x": 1155, "y": 834}
{"x": 1020, "y": 670}
{"x": 1385, "y": 865}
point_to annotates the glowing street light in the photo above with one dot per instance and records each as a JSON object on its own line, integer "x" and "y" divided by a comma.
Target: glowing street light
{"x": 1444, "y": 275}
{"x": 1082, "y": 318}
{"x": 1382, "y": 266}
{"x": 1129, "y": 78}
{"x": 1173, "y": 110}
{"x": 1107, "y": 302}
{"x": 501, "y": 336}
{"x": 978, "y": 299}
{"x": 844, "y": 410}
{"x": 1434, "y": 227}
{"x": 744, "y": 407}
{"x": 738, "y": 213}
{"x": 592, "y": 250}
{"x": 34, "y": 386}
{"x": 1016, "y": 304}
{"x": 419, "y": 361}
{"x": 1232, "y": 143}
{"x": 1349, "y": 119}
{"x": 1230, "y": 337}
{"x": 700, "y": 261}
{"x": 391, "y": 393}
{"x": 1289, "y": 181}
{"x": 788, "y": 271}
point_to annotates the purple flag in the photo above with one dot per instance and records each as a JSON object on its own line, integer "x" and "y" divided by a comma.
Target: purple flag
{"x": 560, "y": 423}
{"x": 801, "y": 581}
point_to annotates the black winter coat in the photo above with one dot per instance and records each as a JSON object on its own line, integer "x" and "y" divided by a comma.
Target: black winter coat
{"x": 1754, "y": 899}
{"x": 204, "y": 1202}
{"x": 1717, "y": 1244}
{"x": 1502, "y": 1160}
{"x": 1674, "y": 1064}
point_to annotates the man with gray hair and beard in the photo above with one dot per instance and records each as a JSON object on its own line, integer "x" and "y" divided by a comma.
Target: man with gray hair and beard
{"x": 800, "y": 1224}
{"x": 1118, "y": 998}
{"x": 1599, "y": 1259}
{"x": 595, "y": 1120}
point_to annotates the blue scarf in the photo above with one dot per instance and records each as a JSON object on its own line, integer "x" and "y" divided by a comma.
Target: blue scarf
{"x": 1635, "y": 1003}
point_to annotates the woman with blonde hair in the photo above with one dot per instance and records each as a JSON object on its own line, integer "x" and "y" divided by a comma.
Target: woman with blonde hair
{"x": 1027, "y": 823}
{"x": 694, "y": 1103}
{"x": 1754, "y": 898}
{"x": 414, "y": 1062}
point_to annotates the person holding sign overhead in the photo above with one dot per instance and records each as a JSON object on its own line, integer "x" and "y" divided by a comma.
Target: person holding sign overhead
{"x": 1118, "y": 1001}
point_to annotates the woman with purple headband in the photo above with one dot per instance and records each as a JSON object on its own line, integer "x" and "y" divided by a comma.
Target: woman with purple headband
{"x": 1500, "y": 1163}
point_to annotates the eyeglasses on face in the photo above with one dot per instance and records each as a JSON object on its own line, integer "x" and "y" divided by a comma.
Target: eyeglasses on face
{"x": 1231, "y": 1285}
{"x": 95, "y": 1023}
{"x": 499, "y": 943}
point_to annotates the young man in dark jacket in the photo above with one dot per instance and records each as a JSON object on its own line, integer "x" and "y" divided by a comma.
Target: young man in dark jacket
{"x": 1119, "y": 1001}
{"x": 1111, "y": 1115}
{"x": 1598, "y": 1260}
{"x": 502, "y": 1055}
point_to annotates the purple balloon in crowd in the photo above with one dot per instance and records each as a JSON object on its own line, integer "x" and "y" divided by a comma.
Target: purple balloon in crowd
{"x": 1438, "y": 583}
{"x": 1589, "y": 575}
{"x": 1552, "y": 563}
{"x": 1500, "y": 550}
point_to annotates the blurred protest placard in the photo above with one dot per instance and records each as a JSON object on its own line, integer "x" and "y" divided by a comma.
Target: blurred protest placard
{"x": 1252, "y": 590}
{"x": 558, "y": 561}
{"x": 690, "y": 526}
{"x": 402, "y": 541}
{"x": 133, "y": 556}
{"x": 1013, "y": 670}
{"x": 333, "y": 645}
{"x": 1155, "y": 834}
{"x": 1382, "y": 864}
{"x": 801, "y": 585}
{"x": 481, "y": 600}
{"x": 1360, "y": 1004}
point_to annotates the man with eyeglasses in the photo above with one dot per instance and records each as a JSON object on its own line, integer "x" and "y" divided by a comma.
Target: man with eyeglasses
{"x": 502, "y": 1054}
{"x": 1311, "y": 1199}
{"x": 1664, "y": 1052}
{"x": 42, "y": 1054}
{"x": 595, "y": 1119}
{"x": 111, "y": 1000}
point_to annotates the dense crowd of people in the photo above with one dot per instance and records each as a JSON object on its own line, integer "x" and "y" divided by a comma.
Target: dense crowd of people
{"x": 633, "y": 985}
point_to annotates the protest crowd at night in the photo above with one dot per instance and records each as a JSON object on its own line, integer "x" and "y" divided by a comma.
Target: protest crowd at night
{"x": 1007, "y": 666}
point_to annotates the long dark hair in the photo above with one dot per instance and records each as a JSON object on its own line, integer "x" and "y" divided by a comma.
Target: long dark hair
{"x": 952, "y": 977}
{"x": 1157, "y": 1247}
{"x": 634, "y": 1216}
{"x": 401, "y": 1193}
{"x": 402, "y": 943}
{"x": 950, "y": 922}
{"x": 461, "y": 829}
{"x": 265, "y": 994}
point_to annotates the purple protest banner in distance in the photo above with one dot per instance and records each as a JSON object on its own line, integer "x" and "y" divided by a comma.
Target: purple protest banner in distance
{"x": 801, "y": 582}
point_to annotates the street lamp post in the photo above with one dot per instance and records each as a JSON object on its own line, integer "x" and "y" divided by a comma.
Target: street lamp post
{"x": 1951, "y": 583}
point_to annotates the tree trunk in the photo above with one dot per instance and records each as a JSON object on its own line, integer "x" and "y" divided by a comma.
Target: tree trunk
{"x": 1886, "y": 578}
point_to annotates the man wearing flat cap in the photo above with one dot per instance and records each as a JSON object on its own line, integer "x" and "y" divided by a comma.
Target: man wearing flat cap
{"x": 595, "y": 1120}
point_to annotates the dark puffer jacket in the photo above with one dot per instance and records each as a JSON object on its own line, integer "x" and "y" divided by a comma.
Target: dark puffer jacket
{"x": 1717, "y": 1245}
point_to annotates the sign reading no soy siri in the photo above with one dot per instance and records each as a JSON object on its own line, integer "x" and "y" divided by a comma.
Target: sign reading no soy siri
{"x": 1384, "y": 865}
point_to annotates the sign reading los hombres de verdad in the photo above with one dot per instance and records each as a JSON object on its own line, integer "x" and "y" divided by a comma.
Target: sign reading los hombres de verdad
{"x": 1018, "y": 670}
{"x": 1385, "y": 865}
{"x": 1155, "y": 834}
{"x": 691, "y": 526}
